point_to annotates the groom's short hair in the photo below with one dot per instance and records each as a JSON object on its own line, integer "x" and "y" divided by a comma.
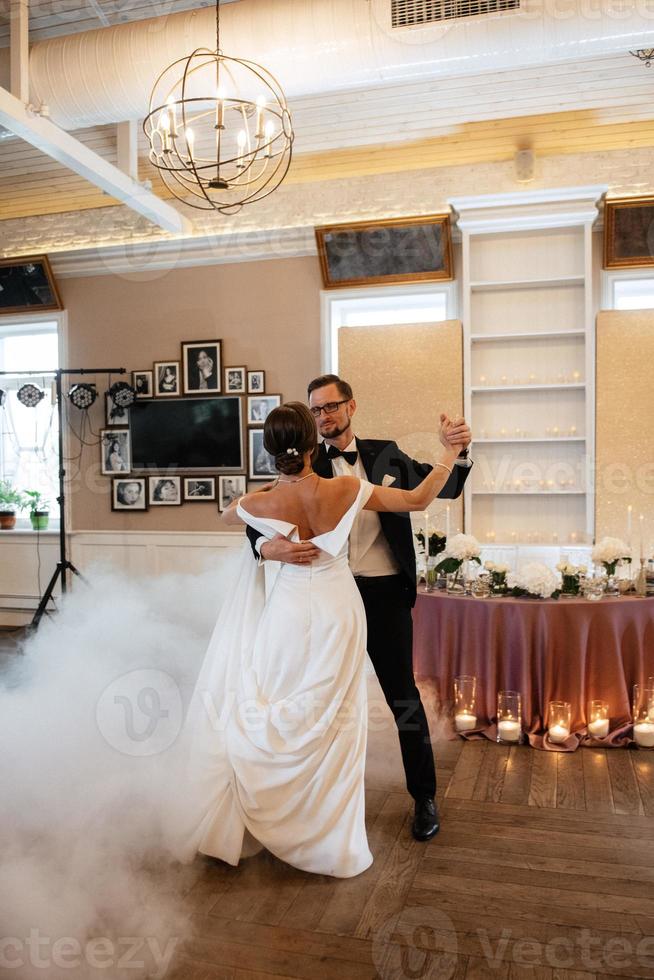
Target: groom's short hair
{"x": 344, "y": 388}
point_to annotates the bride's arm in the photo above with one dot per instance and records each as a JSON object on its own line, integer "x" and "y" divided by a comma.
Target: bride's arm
{"x": 397, "y": 501}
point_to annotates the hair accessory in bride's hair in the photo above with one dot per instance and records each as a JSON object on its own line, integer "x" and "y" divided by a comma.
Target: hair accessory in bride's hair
{"x": 292, "y": 451}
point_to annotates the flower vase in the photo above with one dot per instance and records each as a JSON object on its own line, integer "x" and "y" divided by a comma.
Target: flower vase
{"x": 455, "y": 582}
{"x": 570, "y": 585}
{"x": 498, "y": 584}
{"x": 611, "y": 587}
{"x": 431, "y": 575}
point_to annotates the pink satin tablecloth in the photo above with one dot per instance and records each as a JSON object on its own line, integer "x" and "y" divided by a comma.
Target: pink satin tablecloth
{"x": 568, "y": 649}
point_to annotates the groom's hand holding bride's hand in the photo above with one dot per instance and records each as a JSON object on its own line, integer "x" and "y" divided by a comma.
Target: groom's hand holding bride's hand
{"x": 454, "y": 433}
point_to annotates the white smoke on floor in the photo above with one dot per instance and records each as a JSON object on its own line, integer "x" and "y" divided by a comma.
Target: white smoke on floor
{"x": 87, "y": 887}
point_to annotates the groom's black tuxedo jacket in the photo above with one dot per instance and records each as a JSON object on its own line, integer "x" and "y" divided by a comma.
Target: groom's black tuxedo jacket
{"x": 380, "y": 458}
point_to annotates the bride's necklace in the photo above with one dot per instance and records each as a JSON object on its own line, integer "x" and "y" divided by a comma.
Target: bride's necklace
{"x": 280, "y": 480}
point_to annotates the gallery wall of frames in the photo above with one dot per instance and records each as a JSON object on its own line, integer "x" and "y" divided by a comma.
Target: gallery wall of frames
{"x": 204, "y": 448}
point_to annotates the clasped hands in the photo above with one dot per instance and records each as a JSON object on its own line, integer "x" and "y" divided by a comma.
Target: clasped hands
{"x": 454, "y": 433}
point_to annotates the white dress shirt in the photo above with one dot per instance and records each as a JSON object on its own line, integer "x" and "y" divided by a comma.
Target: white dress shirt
{"x": 370, "y": 554}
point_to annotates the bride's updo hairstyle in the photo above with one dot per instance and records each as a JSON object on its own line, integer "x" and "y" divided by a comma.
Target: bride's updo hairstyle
{"x": 290, "y": 432}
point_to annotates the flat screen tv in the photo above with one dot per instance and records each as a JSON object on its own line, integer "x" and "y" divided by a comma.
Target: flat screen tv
{"x": 187, "y": 434}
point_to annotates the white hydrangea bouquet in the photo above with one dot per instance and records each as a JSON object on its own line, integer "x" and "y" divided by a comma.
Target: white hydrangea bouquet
{"x": 535, "y": 581}
{"x": 571, "y": 577}
{"x": 459, "y": 548}
{"x": 498, "y": 573}
{"x": 609, "y": 552}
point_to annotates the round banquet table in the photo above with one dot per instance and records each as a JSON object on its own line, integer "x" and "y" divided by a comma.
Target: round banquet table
{"x": 568, "y": 649}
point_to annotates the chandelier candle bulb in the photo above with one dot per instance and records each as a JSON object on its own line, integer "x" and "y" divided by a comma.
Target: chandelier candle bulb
{"x": 190, "y": 141}
{"x": 269, "y": 130}
{"x": 172, "y": 115}
{"x": 261, "y": 105}
{"x": 220, "y": 109}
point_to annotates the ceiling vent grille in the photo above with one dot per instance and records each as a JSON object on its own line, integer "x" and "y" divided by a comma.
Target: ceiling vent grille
{"x": 415, "y": 13}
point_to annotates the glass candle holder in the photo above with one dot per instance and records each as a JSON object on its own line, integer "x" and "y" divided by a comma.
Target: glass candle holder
{"x": 643, "y": 716}
{"x": 594, "y": 587}
{"x": 509, "y": 713}
{"x": 465, "y": 711}
{"x": 598, "y": 719}
{"x": 559, "y": 720}
{"x": 481, "y": 587}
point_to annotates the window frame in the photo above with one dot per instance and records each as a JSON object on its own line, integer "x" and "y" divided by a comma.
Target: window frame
{"x": 31, "y": 324}
{"x": 330, "y": 299}
{"x": 612, "y": 277}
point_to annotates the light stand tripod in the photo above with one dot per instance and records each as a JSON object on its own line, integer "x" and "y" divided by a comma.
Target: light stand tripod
{"x": 64, "y": 565}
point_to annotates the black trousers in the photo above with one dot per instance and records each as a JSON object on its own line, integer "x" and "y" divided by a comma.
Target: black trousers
{"x": 390, "y": 647}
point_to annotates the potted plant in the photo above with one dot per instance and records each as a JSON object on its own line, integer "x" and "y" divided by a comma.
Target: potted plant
{"x": 39, "y": 513}
{"x": 11, "y": 501}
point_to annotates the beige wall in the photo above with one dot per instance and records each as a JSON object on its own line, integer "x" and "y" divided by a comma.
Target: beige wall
{"x": 403, "y": 378}
{"x": 266, "y": 313}
{"x": 625, "y": 424}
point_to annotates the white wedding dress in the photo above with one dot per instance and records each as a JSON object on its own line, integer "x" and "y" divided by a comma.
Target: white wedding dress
{"x": 277, "y": 724}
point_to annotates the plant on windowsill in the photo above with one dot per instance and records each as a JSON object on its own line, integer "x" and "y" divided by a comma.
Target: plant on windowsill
{"x": 39, "y": 513}
{"x": 11, "y": 501}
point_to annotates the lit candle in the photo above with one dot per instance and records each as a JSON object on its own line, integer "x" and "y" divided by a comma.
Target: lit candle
{"x": 644, "y": 734}
{"x": 427, "y": 533}
{"x": 241, "y": 140}
{"x": 170, "y": 102}
{"x": 509, "y": 731}
{"x": 629, "y": 510}
{"x": 599, "y": 728}
{"x": 261, "y": 105}
{"x": 555, "y": 430}
{"x": 641, "y": 520}
{"x": 268, "y": 135}
{"x": 573, "y": 430}
{"x": 465, "y": 721}
{"x": 447, "y": 521}
{"x": 220, "y": 108}
{"x": 164, "y": 124}
{"x": 190, "y": 141}
{"x": 558, "y": 733}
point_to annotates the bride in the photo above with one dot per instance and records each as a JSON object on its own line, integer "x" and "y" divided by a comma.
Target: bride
{"x": 277, "y": 724}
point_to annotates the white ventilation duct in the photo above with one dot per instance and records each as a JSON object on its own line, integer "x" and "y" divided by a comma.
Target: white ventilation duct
{"x": 317, "y": 46}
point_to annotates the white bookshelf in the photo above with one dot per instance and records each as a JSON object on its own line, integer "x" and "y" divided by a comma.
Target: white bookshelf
{"x": 529, "y": 365}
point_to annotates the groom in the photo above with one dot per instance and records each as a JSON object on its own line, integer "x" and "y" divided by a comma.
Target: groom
{"x": 382, "y": 559}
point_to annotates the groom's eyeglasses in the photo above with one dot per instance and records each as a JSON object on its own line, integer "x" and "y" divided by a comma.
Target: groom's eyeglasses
{"x": 328, "y": 409}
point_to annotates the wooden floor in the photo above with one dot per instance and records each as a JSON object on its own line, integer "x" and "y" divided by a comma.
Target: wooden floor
{"x": 543, "y": 870}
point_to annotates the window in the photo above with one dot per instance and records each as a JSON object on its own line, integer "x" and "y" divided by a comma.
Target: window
{"x": 387, "y": 306}
{"x": 28, "y": 436}
{"x": 633, "y": 294}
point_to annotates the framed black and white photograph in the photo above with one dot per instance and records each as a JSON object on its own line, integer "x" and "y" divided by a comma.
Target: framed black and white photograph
{"x": 260, "y": 408}
{"x": 262, "y": 464}
{"x": 28, "y": 284}
{"x": 142, "y": 384}
{"x": 198, "y": 488}
{"x": 165, "y": 491}
{"x": 128, "y": 494}
{"x": 166, "y": 379}
{"x": 201, "y": 366}
{"x": 256, "y": 382}
{"x": 235, "y": 380}
{"x": 116, "y": 456}
{"x": 115, "y": 414}
{"x": 229, "y": 489}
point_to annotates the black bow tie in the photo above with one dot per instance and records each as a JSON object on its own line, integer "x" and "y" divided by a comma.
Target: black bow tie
{"x": 334, "y": 453}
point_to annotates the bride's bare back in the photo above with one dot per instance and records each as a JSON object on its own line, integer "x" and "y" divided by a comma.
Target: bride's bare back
{"x": 315, "y": 505}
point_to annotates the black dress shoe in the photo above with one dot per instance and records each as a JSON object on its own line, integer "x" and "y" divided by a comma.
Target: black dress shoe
{"x": 426, "y": 823}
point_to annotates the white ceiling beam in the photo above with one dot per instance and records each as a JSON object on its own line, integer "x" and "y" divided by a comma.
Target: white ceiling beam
{"x": 19, "y": 49}
{"x": 61, "y": 146}
{"x": 127, "y": 148}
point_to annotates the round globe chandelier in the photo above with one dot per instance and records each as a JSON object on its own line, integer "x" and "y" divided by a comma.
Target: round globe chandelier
{"x": 219, "y": 130}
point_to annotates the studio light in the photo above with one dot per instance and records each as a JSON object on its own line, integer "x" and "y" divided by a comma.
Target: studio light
{"x": 122, "y": 394}
{"x": 83, "y": 395}
{"x": 29, "y": 395}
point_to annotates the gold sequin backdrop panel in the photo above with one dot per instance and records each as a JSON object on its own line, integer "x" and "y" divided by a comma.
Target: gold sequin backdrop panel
{"x": 625, "y": 424}
{"x": 403, "y": 377}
